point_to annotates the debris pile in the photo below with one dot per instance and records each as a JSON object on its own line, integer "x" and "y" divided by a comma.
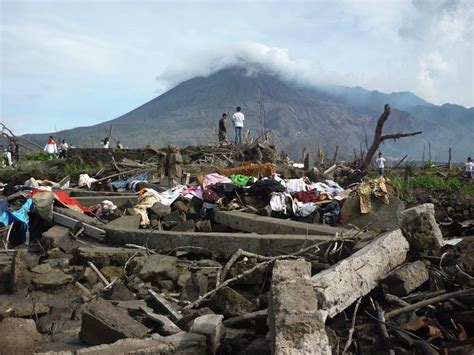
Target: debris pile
{"x": 228, "y": 258}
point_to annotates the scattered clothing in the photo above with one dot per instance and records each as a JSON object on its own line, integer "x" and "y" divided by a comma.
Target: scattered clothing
{"x": 214, "y": 178}
{"x": 104, "y": 208}
{"x": 85, "y": 180}
{"x": 296, "y": 185}
{"x": 240, "y": 180}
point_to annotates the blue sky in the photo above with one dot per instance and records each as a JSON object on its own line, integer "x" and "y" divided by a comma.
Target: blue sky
{"x": 68, "y": 63}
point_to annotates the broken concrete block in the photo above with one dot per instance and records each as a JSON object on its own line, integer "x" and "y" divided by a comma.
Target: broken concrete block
{"x": 19, "y": 336}
{"x": 211, "y": 326}
{"x": 187, "y": 320}
{"x": 57, "y": 237}
{"x": 381, "y": 217}
{"x": 134, "y": 306}
{"x": 18, "y": 272}
{"x": 29, "y": 310}
{"x": 158, "y": 268}
{"x": 174, "y": 216}
{"x": 6, "y": 260}
{"x": 41, "y": 269}
{"x": 182, "y": 343}
{"x": 421, "y": 230}
{"x": 181, "y": 206}
{"x": 186, "y": 226}
{"x": 126, "y": 221}
{"x": 204, "y": 226}
{"x": 102, "y": 323}
{"x": 407, "y": 278}
{"x": 120, "y": 292}
{"x": 167, "y": 327}
{"x": 196, "y": 286}
{"x": 90, "y": 276}
{"x": 339, "y": 286}
{"x": 52, "y": 279}
{"x": 112, "y": 272}
{"x": 296, "y": 325}
{"x": 160, "y": 210}
{"x": 230, "y": 303}
{"x": 104, "y": 256}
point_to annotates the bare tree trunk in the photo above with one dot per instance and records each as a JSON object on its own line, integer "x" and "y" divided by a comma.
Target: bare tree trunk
{"x": 429, "y": 151}
{"x": 449, "y": 158}
{"x": 379, "y": 138}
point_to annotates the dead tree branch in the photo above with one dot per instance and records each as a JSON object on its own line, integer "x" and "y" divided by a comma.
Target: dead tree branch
{"x": 379, "y": 138}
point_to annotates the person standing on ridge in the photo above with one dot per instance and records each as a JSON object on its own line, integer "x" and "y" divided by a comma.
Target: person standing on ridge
{"x": 51, "y": 148}
{"x": 380, "y": 161}
{"x": 223, "y": 128}
{"x": 238, "y": 120}
{"x": 469, "y": 165}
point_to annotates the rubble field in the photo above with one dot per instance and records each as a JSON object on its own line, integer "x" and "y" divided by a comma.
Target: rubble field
{"x": 229, "y": 250}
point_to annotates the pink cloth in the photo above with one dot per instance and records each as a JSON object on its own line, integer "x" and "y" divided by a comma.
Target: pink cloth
{"x": 212, "y": 179}
{"x": 192, "y": 191}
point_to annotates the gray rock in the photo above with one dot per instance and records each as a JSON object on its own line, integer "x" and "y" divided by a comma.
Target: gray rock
{"x": 407, "y": 278}
{"x": 196, "y": 286}
{"x": 52, "y": 279}
{"x": 211, "y": 326}
{"x": 126, "y": 222}
{"x": 230, "y": 303}
{"x": 160, "y": 210}
{"x": 57, "y": 237}
{"x": 102, "y": 323}
{"x": 381, "y": 218}
{"x": 19, "y": 336}
{"x": 181, "y": 206}
{"x": 204, "y": 226}
{"x": 186, "y": 226}
{"x": 419, "y": 227}
{"x": 158, "y": 268}
{"x": 174, "y": 216}
{"x": 41, "y": 269}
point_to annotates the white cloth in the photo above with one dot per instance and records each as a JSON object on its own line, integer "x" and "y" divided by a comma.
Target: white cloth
{"x": 238, "y": 118}
{"x": 380, "y": 162}
{"x": 106, "y": 145}
{"x": 85, "y": 180}
{"x": 295, "y": 185}
{"x": 469, "y": 166}
{"x": 105, "y": 208}
{"x": 278, "y": 202}
{"x": 169, "y": 196}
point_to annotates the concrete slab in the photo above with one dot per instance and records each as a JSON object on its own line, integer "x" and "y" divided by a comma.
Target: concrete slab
{"x": 248, "y": 222}
{"x": 221, "y": 243}
{"x": 126, "y": 221}
{"x": 119, "y": 201}
{"x": 296, "y": 325}
{"x": 341, "y": 285}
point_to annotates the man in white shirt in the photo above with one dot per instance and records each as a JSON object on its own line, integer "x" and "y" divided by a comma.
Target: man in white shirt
{"x": 380, "y": 161}
{"x": 469, "y": 166}
{"x": 238, "y": 120}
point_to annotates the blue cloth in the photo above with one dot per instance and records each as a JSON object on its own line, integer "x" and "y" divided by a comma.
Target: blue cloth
{"x": 238, "y": 135}
{"x": 20, "y": 215}
{"x": 124, "y": 184}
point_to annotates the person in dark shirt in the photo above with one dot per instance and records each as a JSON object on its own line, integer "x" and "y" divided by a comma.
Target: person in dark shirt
{"x": 223, "y": 128}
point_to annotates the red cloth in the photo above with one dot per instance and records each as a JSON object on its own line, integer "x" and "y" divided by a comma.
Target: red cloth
{"x": 307, "y": 196}
{"x": 65, "y": 200}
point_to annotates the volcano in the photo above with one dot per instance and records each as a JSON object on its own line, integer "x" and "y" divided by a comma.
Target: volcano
{"x": 300, "y": 116}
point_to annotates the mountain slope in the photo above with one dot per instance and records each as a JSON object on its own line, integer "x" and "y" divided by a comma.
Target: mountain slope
{"x": 303, "y": 117}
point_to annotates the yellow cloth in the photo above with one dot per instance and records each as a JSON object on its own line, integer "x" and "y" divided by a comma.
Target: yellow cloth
{"x": 366, "y": 189}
